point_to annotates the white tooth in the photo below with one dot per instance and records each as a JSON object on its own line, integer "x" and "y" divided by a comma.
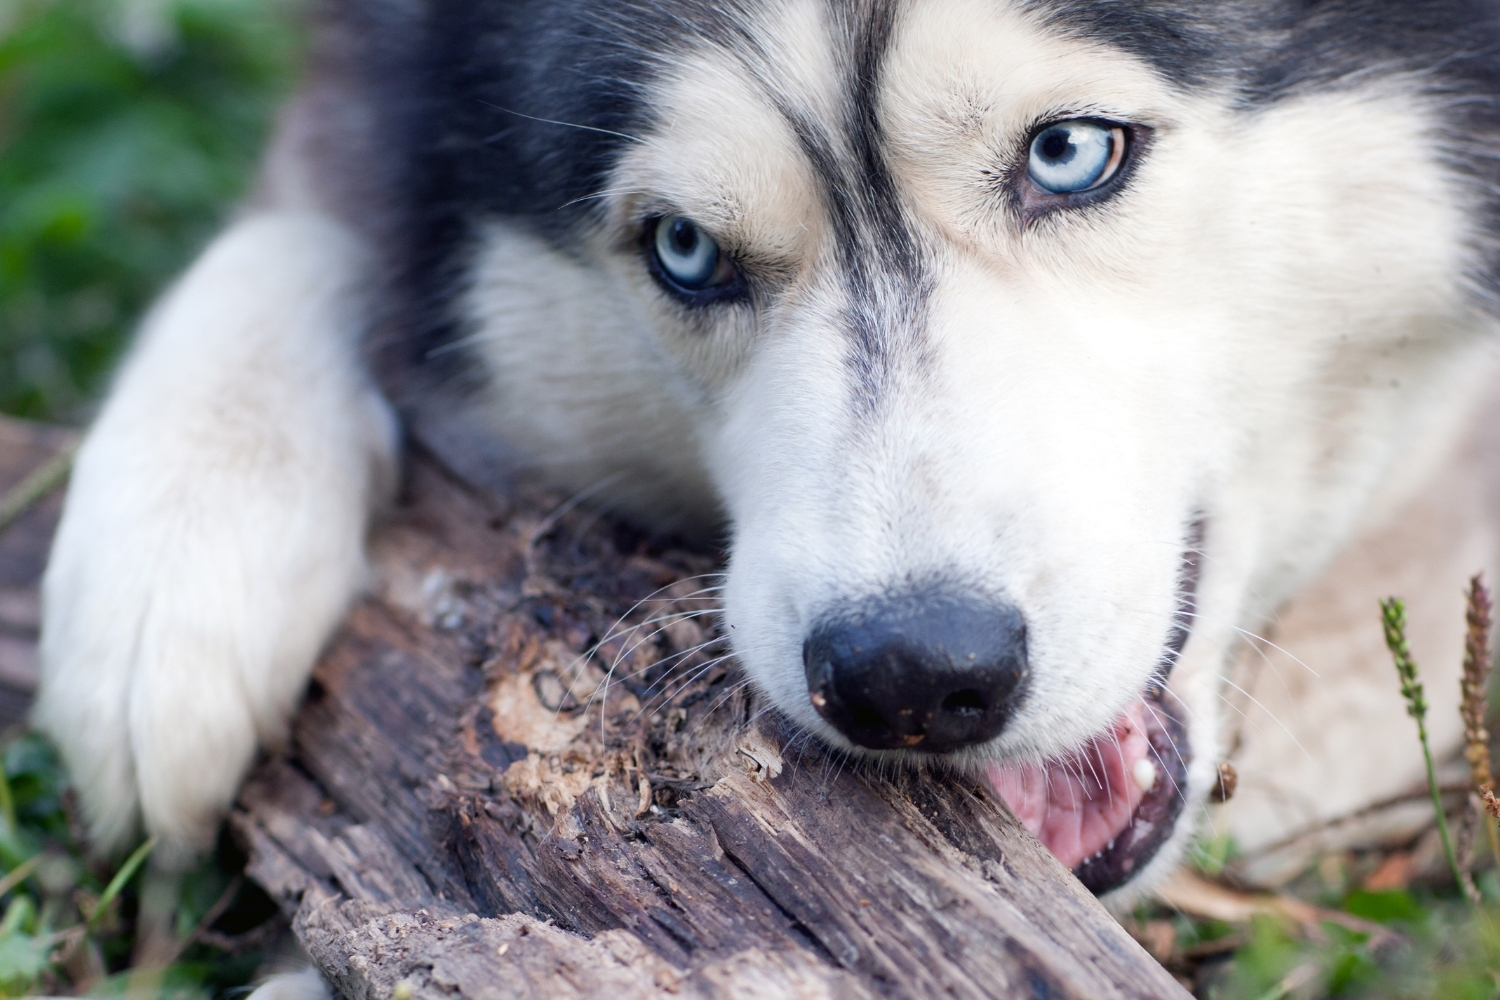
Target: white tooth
{"x": 1144, "y": 774}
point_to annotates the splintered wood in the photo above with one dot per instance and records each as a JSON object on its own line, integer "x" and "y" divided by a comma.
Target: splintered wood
{"x": 527, "y": 769}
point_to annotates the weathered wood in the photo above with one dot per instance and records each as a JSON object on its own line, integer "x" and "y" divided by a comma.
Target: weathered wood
{"x": 24, "y": 448}
{"x": 466, "y": 811}
{"x": 468, "y": 808}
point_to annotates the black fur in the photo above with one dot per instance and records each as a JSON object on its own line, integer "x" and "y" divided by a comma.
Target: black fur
{"x": 1269, "y": 51}
{"x": 520, "y": 108}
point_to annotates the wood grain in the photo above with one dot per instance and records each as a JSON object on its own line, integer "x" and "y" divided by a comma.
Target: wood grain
{"x": 469, "y": 809}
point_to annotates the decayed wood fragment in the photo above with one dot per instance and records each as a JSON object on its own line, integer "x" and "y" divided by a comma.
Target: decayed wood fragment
{"x": 24, "y": 448}
{"x": 468, "y": 809}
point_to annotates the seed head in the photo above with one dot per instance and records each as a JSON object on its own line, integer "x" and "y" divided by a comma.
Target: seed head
{"x": 1476, "y": 695}
{"x": 1393, "y": 617}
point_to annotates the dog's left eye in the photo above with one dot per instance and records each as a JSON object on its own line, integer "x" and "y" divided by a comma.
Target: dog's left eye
{"x": 1074, "y": 156}
{"x": 689, "y": 261}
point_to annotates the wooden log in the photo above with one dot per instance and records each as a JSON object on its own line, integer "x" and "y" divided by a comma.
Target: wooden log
{"x": 465, "y": 810}
{"x": 25, "y": 449}
{"x": 527, "y": 769}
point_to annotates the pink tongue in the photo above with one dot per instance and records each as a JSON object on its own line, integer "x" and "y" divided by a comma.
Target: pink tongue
{"x": 1078, "y": 805}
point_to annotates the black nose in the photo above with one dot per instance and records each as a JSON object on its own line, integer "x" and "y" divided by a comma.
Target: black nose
{"x": 926, "y": 672}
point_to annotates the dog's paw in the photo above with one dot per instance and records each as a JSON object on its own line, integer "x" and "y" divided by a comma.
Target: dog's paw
{"x": 213, "y": 534}
{"x": 177, "y": 637}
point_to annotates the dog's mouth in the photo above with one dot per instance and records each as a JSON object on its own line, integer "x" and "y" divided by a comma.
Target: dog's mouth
{"x": 1107, "y": 808}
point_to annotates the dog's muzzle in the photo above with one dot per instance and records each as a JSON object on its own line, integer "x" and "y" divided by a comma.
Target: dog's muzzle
{"x": 934, "y": 671}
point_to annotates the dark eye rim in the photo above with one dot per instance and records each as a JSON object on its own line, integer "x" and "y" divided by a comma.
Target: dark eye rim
{"x": 1032, "y": 202}
{"x": 731, "y": 288}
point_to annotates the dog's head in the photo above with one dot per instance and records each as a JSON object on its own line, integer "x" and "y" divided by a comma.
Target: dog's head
{"x": 989, "y": 327}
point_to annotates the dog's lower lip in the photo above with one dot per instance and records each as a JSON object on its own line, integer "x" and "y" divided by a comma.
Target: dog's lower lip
{"x": 1093, "y": 810}
{"x": 1155, "y": 818}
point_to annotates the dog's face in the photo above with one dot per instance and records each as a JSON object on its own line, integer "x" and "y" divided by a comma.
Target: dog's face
{"x": 1010, "y": 356}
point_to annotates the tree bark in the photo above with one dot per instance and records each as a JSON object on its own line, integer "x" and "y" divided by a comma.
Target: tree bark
{"x": 25, "y": 449}
{"x": 527, "y": 769}
{"x": 467, "y": 810}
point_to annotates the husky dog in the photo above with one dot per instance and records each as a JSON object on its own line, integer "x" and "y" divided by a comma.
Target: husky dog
{"x": 1033, "y": 354}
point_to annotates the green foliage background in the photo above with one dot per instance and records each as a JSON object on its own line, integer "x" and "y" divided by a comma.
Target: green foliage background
{"x": 128, "y": 129}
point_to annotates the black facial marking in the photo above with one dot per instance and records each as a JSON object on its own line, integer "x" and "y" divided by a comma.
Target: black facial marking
{"x": 879, "y": 254}
{"x": 479, "y": 109}
{"x": 483, "y": 110}
{"x": 1182, "y": 39}
{"x": 520, "y": 110}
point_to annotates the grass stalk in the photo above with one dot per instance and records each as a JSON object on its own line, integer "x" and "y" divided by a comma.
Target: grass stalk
{"x": 1476, "y": 703}
{"x": 122, "y": 878}
{"x": 1393, "y": 618}
{"x": 36, "y": 487}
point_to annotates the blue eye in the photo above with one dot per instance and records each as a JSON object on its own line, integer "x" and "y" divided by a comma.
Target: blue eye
{"x": 1074, "y": 156}
{"x": 688, "y": 256}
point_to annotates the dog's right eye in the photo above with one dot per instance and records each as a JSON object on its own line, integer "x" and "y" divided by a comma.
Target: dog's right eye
{"x": 690, "y": 262}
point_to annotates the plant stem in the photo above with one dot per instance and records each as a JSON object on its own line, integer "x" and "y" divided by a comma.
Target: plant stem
{"x": 1494, "y": 835}
{"x": 35, "y": 487}
{"x": 123, "y": 876}
{"x": 1437, "y": 806}
{"x": 1393, "y": 618}
{"x": 7, "y": 804}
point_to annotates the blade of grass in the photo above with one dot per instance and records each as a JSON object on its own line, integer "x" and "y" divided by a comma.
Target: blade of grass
{"x": 122, "y": 878}
{"x": 12, "y": 851}
{"x": 1393, "y": 619}
{"x": 20, "y": 874}
{"x": 36, "y": 486}
{"x": 20, "y": 910}
{"x": 7, "y": 803}
{"x": 1294, "y": 980}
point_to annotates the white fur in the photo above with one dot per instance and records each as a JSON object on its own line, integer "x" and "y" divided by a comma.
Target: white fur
{"x": 214, "y": 532}
{"x": 305, "y": 985}
{"x": 1268, "y": 326}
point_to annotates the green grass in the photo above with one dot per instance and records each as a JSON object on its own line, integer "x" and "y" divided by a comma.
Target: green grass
{"x": 125, "y": 138}
{"x": 1438, "y": 948}
{"x": 1440, "y": 939}
{"x": 70, "y": 925}
{"x": 128, "y": 130}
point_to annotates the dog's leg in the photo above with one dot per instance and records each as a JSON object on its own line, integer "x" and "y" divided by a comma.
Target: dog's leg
{"x": 214, "y": 532}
